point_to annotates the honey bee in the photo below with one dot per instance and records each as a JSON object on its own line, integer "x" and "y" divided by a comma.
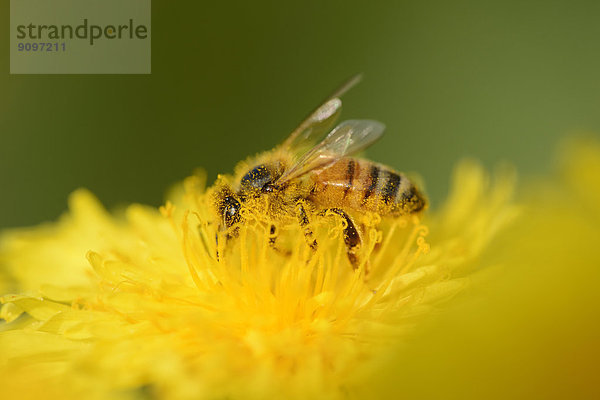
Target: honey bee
{"x": 308, "y": 176}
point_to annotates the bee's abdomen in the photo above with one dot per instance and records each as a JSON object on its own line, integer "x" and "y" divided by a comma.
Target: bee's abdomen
{"x": 366, "y": 186}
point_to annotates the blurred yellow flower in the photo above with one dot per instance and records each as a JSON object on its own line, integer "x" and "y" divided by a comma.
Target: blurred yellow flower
{"x": 533, "y": 330}
{"x": 136, "y": 305}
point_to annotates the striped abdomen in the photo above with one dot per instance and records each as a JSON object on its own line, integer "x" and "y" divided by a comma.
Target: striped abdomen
{"x": 365, "y": 186}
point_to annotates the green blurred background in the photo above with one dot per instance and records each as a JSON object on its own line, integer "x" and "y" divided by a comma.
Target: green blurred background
{"x": 499, "y": 80}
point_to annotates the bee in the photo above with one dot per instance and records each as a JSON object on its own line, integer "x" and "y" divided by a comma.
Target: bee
{"x": 308, "y": 176}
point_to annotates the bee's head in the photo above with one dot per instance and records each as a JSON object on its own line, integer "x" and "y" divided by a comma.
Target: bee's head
{"x": 257, "y": 181}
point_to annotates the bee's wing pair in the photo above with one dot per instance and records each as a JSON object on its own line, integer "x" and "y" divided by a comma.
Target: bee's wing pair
{"x": 348, "y": 138}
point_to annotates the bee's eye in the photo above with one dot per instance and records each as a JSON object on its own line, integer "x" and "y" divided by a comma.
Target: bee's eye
{"x": 231, "y": 211}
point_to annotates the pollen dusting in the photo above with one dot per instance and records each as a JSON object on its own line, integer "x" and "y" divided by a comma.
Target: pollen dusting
{"x": 165, "y": 301}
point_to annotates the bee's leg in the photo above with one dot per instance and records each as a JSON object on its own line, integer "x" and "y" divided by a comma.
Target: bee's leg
{"x": 225, "y": 235}
{"x": 351, "y": 236}
{"x": 216, "y": 241}
{"x": 273, "y": 238}
{"x": 304, "y": 221}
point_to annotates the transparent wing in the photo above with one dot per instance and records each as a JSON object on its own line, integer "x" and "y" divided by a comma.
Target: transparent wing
{"x": 321, "y": 120}
{"x": 315, "y": 126}
{"x": 346, "y": 139}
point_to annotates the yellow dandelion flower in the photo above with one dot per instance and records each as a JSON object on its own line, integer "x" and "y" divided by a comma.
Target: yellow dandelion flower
{"x": 138, "y": 304}
{"x": 532, "y": 331}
